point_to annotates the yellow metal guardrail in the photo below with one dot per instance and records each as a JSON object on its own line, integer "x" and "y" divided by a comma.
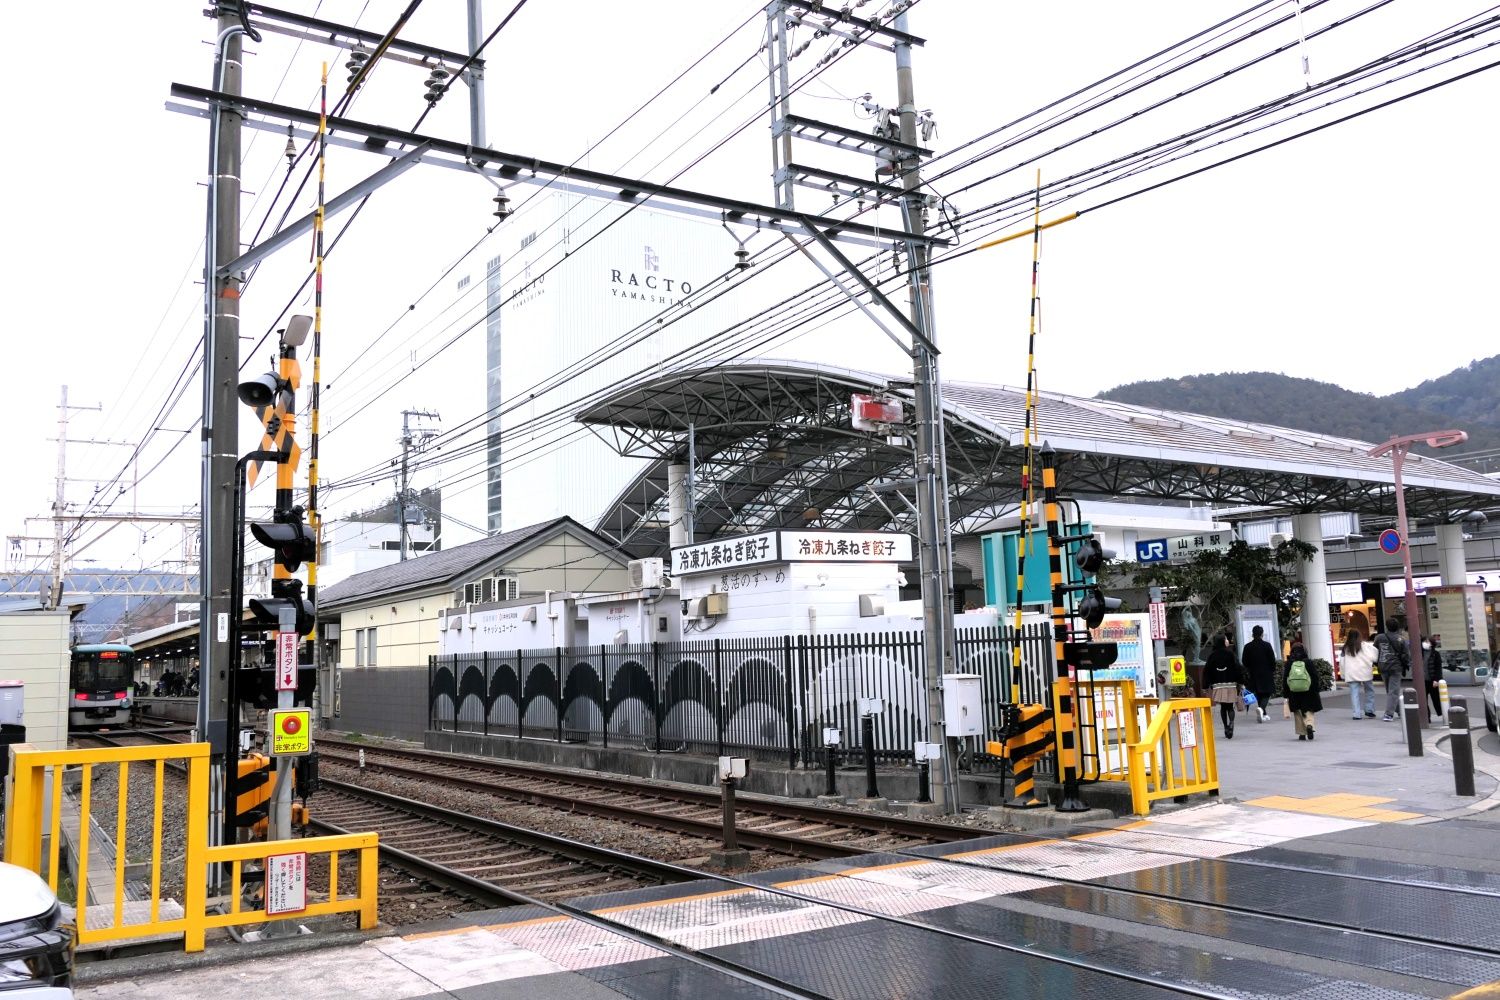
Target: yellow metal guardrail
{"x": 1174, "y": 756}
{"x": 35, "y": 806}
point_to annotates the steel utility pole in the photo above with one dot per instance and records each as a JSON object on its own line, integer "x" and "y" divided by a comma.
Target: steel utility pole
{"x": 935, "y": 555}
{"x": 221, "y": 362}
{"x": 403, "y": 493}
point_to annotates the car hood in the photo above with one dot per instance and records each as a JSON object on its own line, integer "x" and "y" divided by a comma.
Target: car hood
{"x": 22, "y": 894}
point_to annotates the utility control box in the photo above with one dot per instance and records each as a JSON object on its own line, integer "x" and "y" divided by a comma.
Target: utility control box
{"x": 963, "y": 705}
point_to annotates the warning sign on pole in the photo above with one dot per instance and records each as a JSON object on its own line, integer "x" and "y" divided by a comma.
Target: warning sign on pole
{"x": 1158, "y": 620}
{"x": 286, "y": 661}
{"x": 286, "y": 883}
{"x": 291, "y": 732}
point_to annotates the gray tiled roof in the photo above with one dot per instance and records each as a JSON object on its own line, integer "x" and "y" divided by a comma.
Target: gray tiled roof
{"x": 434, "y": 568}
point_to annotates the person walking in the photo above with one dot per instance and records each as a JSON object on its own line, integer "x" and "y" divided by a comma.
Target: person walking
{"x": 1259, "y": 660}
{"x": 1223, "y": 677}
{"x": 1359, "y": 671}
{"x": 1432, "y": 667}
{"x": 1302, "y": 695}
{"x": 1394, "y": 660}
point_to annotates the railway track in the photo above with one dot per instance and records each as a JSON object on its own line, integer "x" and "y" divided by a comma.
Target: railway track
{"x": 791, "y": 828}
{"x": 485, "y": 858}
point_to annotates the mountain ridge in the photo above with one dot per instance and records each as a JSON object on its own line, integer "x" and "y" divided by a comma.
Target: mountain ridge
{"x": 1466, "y": 398}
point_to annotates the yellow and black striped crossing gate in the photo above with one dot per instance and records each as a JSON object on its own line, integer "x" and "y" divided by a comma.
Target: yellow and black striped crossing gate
{"x": 1027, "y": 738}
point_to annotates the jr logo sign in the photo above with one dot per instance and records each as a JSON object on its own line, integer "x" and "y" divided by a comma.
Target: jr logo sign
{"x": 1153, "y": 551}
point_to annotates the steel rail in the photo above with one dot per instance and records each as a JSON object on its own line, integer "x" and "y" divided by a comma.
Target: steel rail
{"x": 574, "y": 850}
{"x": 782, "y": 843}
{"x": 873, "y": 823}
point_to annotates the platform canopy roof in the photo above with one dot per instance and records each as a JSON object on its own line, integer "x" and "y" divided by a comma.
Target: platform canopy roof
{"x": 775, "y": 449}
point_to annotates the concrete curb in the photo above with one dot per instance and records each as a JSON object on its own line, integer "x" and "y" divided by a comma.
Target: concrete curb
{"x": 219, "y": 952}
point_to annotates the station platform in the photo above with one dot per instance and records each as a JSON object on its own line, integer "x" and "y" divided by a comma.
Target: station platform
{"x": 1220, "y": 900}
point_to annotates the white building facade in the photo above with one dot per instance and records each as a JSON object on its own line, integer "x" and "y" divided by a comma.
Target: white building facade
{"x": 624, "y": 305}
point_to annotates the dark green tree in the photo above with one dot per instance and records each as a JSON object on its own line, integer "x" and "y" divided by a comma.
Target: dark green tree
{"x": 1220, "y": 581}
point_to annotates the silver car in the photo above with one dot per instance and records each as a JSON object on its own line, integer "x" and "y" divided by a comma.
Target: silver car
{"x": 1491, "y": 678}
{"x": 36, "y": 944}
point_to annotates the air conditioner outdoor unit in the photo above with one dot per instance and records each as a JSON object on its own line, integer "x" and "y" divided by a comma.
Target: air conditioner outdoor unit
{"x": 647, "y": 573}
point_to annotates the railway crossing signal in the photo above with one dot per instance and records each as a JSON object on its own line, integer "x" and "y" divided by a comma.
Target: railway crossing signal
{"x": 290, "y": 539}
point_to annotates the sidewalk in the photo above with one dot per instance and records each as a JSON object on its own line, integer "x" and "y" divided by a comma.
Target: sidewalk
{"x": 1355, "y": 770}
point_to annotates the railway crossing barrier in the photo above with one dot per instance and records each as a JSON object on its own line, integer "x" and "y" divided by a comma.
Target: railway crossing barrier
{"x": 1174, "y": 756}
{"x": 34, "y": 812}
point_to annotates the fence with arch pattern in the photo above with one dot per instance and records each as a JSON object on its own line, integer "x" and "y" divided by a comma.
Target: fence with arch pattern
{"x": 766, "y": 697}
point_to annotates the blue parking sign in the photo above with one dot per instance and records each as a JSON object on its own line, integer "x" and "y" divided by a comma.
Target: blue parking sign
{"x": 1151, "y": 551}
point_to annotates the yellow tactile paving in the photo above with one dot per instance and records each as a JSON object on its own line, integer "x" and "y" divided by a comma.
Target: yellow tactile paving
{"x": 1344, "y": 805}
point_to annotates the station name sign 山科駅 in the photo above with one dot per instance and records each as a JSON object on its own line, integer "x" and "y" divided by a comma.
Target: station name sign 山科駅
{"x": 1181, "y": 548}
{"x": 791, "y": 546}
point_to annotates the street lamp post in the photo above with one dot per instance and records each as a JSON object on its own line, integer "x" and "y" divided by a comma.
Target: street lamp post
{"x": 1397, "y": 447}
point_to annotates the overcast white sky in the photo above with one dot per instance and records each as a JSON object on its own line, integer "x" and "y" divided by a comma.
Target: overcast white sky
{"x": 1354, "y": 256}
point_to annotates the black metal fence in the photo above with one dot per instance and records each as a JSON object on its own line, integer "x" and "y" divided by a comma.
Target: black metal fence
{"x": 762, "y": 697}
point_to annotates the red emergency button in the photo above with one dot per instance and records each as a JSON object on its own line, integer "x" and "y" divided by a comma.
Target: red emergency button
{"x": 290, "y": 725}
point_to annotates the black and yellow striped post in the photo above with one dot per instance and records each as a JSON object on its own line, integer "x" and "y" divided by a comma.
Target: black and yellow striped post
{"x": 1065, "y": 687}
{"x": 314, "y": 516}
{"x": 1025, "y": 743}
{"x": 1028, "y": 443}
{"x": 1028, "y": 735}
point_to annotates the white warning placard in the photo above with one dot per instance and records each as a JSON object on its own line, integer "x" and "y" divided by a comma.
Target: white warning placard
{"x": 286, "y": 660}
{"x": 286, "y": 883}
{"x": 1187, "y": 729}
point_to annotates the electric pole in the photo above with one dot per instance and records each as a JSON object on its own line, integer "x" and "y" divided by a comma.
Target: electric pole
{"x": 220, "y": 435}
{"x": 423, "y": 435}
{"x": 935, "y": 554}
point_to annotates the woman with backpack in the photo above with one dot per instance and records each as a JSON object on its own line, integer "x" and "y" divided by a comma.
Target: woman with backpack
{"x": 1223, "y": 677}
{"x": 1359, "y": 671}
{"x": 1302, "y": 691}
{"x": 1394, "y": 660}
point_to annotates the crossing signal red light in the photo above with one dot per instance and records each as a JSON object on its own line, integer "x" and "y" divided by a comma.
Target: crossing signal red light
{"x": 292, "y": 541}
{"x": 1091, "y": 556}
{"x": 1095, "y": 606}
{"x": 285, "y": 595}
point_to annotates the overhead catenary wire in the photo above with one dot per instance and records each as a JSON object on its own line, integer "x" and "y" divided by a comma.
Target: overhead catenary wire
{"x": 1467, "y": 74}
{"x": 1102, "y": 205}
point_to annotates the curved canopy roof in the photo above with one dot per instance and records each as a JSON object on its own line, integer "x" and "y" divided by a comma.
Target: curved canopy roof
{"x": 775, "y": 448}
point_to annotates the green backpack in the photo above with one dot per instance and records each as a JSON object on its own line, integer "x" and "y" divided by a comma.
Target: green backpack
{"x": 1297, "y": 677}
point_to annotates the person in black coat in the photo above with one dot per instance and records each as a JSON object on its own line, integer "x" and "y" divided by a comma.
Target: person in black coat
{"x": 1259, "y": 661}
{"x": 1223, "y": 678}
{"x": 1304, "y": 704}
{"x": 1432, "y": 670}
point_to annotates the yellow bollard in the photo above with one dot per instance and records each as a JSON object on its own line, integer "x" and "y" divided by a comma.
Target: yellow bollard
{"x": 1442, "y": 687}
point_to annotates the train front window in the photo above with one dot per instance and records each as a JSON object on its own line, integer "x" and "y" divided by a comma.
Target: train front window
{"x": 93, "y": 672}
